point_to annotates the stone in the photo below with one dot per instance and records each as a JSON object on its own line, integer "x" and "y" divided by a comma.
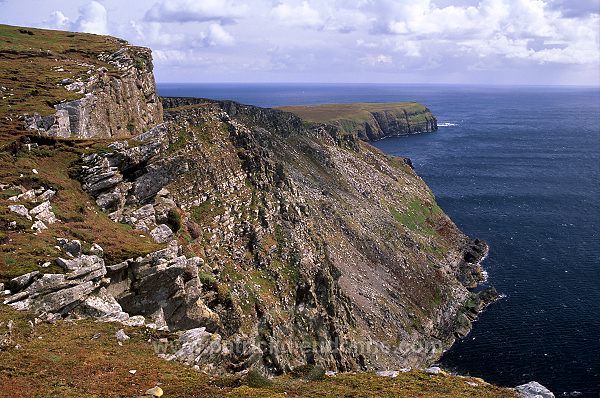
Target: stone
{"x": 533, "y": 389}
{"x": 39, "y": 226}
{"x": 40, "y": 208}
{"x": 388, "y": 373}
{"x": 47, "y": 216}
{"x": 121, "y": 336}
{"x": 102, "y": 306}
{"x": 21, "y": 282}
{"x": 434, "y": 370}
{"x": 144, "y": 213}
{"x": 96, "y": 250}
{"x": 83, "y": 261}
{"x": 46, "y": 196}
{"x": 64, "y": 300}
{"x": 72, "y": 247}
{"x": 135, "y": 321}
{"x": 27, "y": 196}
{"x": 20, "y": 210}
{"x": 161, "y": 234}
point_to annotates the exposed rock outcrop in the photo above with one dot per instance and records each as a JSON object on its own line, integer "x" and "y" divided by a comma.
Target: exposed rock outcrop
{"x": 533, "y": 389}
{"x": 111, "y": 106}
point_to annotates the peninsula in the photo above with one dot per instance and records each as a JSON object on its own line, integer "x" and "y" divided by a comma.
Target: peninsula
{"x": 371, "y": 121}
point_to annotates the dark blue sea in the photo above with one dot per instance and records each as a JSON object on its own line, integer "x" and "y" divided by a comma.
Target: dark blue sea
{"x": 520, "y": 168}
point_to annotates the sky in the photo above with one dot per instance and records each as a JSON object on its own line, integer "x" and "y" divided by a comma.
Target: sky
{"x": 537, "y": 42}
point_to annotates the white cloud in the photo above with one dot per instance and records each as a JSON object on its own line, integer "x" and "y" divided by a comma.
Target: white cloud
{"x": 224, "y": 11}
{"x": 374, "y": 60}
{"x": 219, "y": 36}
{"x": 58, "y": 20}
{"x": 303, "y": 15}
{"x": 93, "y": 19}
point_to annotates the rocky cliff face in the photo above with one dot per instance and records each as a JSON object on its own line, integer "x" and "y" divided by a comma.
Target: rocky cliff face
{"x": 371, "y": 121}
{"x": 284, "y": 243}
{"x": 390, "y": 123}
{"x": 312, "y": 246}
{"x": 116, "y": 102}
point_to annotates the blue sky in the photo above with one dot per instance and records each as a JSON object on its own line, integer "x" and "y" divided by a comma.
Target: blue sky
{"x": 344, "y": 41}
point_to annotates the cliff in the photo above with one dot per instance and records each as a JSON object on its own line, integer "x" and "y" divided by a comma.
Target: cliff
{"x": 236, "y": 238}
{"x": 119, "y": 82}
{"x": 371, "y": 121}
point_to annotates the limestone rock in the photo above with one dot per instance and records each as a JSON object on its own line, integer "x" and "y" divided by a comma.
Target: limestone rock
{"x": 84, "y": 261}
{"x": 39, "y": 226}
{"x": 102, "y": 306}
{"x": 21, "y": 282}
{"x": 388, "y": 373}
{"x": 96, "y": 250}
{"x": 533, "y": 389}
{"x": 121, "y": 336}
{"x": 71, "y": 247}
{"x": 161, "y": 234}
{"x": 45, "y": 196}
{"x": 20, "y": 210}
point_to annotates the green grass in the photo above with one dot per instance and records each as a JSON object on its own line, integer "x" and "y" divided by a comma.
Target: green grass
{"x": 347, "y": 113}
{"x": 417, "y": 216}
{"x": 84, "y": 359}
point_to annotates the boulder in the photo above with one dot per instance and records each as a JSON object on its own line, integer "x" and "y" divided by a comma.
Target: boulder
{"x": 27, "y": 196}
{"x": 20, "y": 210}
{"x": 39, "y": 226}
{"x": 102, "y": 306}
{"x": 81, "y": 262}
{"x": 47, "y": 216}
{"x": 161, "y": 234}
{"x": 434, "y": 370}
{"x": 64, "y": 300}
{"x": 21, "y": 282}
{"x": 166, "y": 288}
{"x": 388, "y": 373}
{"x": 121, "y": 336}
{"x": 45, "y": 196}
{"x": 72, "y": 247}
{"x": 40, "y": 208}
{"x": 96, "y": 250}
{"x": 533, "y": 389}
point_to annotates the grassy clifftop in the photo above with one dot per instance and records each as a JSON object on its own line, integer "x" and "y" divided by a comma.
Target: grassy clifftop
{"x": 33, "y": 62}
{"x": 371, "y": 121}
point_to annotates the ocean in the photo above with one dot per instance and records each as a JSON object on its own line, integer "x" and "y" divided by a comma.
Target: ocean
{"x": 520, "y": 168}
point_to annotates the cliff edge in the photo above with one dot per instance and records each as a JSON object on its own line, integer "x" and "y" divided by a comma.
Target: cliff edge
{"x": 371, "y": 121}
